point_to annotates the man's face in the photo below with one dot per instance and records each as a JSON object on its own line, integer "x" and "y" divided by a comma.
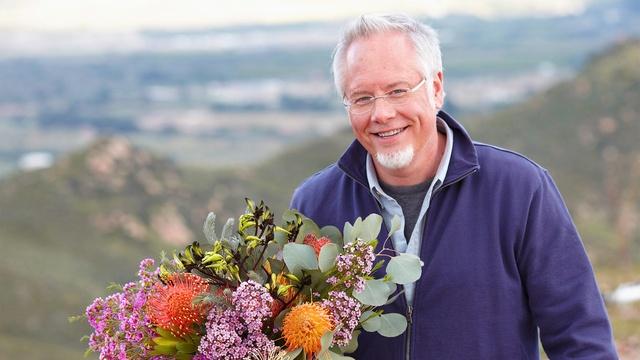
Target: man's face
{"x": 377, "y": 65}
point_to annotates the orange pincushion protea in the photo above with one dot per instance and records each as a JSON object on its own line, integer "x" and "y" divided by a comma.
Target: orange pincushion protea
{"x": 304, "y": 326}
{"x": 315, "y": 242}
{"x": 171, "y": 306}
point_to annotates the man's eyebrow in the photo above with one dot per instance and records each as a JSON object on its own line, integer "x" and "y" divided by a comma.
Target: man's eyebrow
{"x": 388, "y": 87}
{"x": 395, "y": 85}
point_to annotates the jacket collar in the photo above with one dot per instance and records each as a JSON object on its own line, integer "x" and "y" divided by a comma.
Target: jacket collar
{"x": 464, "y": 158}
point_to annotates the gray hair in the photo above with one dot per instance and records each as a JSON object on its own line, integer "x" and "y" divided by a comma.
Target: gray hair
{"x": 424, "y": 39}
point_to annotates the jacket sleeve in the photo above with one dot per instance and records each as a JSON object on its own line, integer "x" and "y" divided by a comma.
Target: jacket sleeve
{"x": 563, "y": 295}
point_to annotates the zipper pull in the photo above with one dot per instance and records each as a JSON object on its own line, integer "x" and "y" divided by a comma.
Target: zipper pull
{"x": 409, "y": 313}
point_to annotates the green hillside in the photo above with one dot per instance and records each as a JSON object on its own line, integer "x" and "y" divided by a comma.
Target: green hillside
{"x": 586, "y": 132}
{"x": 69, "y": 230}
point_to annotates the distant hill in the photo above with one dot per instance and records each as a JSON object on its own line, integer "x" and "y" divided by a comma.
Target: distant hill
{"x": 587, "y": 133}
{"x": 68, "y": 230}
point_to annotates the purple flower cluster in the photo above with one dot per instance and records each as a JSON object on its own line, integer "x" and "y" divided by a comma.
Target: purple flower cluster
{"x": 121, "y": 328}
{"x": 233, "y": 333}
{"x": 346, "y": 315}
{"x": 353, "y": 265}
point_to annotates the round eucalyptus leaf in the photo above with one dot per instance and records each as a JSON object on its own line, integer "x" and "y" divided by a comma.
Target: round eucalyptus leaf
{"x": 332, "y": 233}
{"x": 335, "y": 356}
{"x": 326, "y": 340}
{"x": 371, "y": 227}
{"x": 375, "y": 293}
{"x": 298, "y": 257}
{"x": 308, "y": 227}
{"x": 348, "y": 233}
{"x": 327, "y": 257}
{"x": 291, "y": 355}
{"x": 404, "y": 268}
{"x": 353, "y": 343}
{"x": 392, "y": 324}
{"x": 371, "y": 322}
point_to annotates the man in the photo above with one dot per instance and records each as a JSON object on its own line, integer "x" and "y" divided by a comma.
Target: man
{"x": 501, "y": 255}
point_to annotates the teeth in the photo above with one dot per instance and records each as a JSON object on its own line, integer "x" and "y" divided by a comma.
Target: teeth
{"x": 389, "y": 133}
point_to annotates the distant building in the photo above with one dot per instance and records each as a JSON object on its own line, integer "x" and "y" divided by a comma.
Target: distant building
{"x": 625, "y": 293}
{"x": 35, "y": 160}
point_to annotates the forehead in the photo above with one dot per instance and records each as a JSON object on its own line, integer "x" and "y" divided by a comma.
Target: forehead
{"x": 380, "y": 59}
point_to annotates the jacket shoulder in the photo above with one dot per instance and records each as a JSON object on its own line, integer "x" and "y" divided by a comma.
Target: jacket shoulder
{"x": 317, "y": 186}
{"x": 504, "y": 164}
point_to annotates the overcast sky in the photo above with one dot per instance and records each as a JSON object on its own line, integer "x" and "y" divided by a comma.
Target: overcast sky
{"x": 124, "y": 15}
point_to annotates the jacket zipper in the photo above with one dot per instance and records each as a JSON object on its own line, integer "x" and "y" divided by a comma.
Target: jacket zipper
{"x": 409, "y": 314}
{"x": 407, "y": 339}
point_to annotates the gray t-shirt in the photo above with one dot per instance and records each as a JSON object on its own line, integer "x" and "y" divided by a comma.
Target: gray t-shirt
{"x": 410, "y": 199}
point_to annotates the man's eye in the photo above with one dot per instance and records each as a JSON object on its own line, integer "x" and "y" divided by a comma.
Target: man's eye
{"x": 363, "y": 100}
{"x": 397, "y": 92}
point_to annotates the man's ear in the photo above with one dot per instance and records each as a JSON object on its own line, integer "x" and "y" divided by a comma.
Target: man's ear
{"x": 438, "y": 90}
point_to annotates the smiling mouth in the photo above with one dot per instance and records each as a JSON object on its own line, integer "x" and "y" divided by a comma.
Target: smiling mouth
{"x": 385, "y": 134}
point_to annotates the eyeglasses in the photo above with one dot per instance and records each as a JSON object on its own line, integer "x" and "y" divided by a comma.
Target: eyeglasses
{"x": 364, "y": 104}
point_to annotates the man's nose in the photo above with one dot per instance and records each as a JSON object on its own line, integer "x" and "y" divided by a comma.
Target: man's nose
{"x": 382, "y": 110}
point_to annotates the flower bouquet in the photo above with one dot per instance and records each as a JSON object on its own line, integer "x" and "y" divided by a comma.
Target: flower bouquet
{"x": 257, "y": 291}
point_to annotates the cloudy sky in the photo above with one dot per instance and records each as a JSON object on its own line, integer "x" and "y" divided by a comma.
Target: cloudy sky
{"x": 122, "y": 15}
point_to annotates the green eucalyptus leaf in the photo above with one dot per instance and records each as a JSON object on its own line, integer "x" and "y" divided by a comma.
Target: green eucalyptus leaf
{"x": 308, "y": 227}
{"x": 327, "y": 257}
{"x": 326, "y": 340}
{"x": 375, "y": 293}
{"x": 395, "y": 224}
{"x": 209, "y": 228}
{"x": 290, "y": 215}
{"x": 370, "y": 321}
{"x": 371, "y": 227}
{"x": 392, "y": 324}
{"x": 316, "y": 276}
{"x": 272, "y": 250}
{"x": 277, "y": 322}
{"x": 291, "y": 355}
{"x": 404, "y": 268}
{"x": 334, "y": 356}
{"x": 280, "y": 238}
{"x": 332, "y": 233}
{"x": 258, "y": 276}
{"x": 394, "y": 297}
{"x": 353, "y": 343}
{"x": 352, "y": 232}
{"x": 391, "y": 286}
{"x": 299, "y": 257}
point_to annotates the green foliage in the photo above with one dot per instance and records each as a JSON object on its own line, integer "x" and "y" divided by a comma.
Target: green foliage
{"x": 404, "y": 268}
{"x": 299, "y": 257}
{"x": 392, "y": 324}
{"x": 370, "y": 321}
{"x": 178, "y": 348}
{"x": 375, "y": 292}
{"x": 327, "y": 257}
